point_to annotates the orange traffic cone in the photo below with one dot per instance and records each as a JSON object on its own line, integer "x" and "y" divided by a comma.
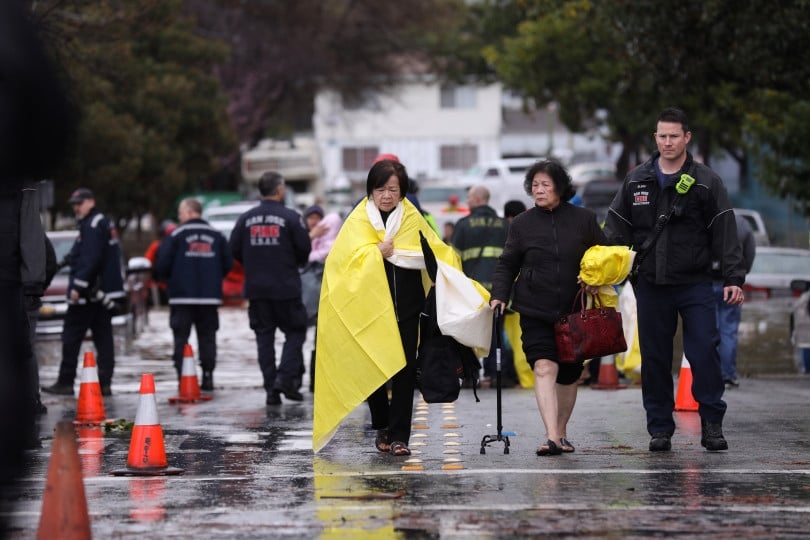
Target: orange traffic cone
{"x": 684, "y": 400}
{"x": 608, "y": 376}
{"x": 64, "y": 504}
{"x": 147, "y": 452}
{"x": 189, "y": 384}
{"x": 90, "y": 405}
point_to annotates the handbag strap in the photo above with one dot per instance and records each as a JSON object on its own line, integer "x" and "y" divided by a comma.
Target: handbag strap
{"x": 581, "y": 293}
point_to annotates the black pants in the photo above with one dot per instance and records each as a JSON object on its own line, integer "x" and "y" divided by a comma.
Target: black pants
{"x": 290, "y": 316}
{"x": 396, "y": 414}
{"x": 205, "y": 320}
{"x": 78, "y": 319}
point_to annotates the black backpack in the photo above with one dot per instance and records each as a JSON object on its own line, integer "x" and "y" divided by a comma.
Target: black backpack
{"x": 443, "y": 364}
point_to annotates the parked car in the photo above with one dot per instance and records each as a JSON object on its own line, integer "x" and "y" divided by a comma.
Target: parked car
{"x": 131, "y": 315}
{"x": 446, "y": 201}
{"x": 504, "y": 178}
{"x": 773, "y": 271}
{"x": 754, "y": 219}
{"x": 598, "y": 194}
{"x": 584, "y": 173}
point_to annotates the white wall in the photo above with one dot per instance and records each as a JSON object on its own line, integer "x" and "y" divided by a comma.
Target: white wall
{"x": 410, "y": 123}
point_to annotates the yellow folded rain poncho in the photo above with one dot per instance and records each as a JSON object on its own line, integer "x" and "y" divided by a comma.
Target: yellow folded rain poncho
{"x": 604, "y": 266}
{"x": 358, "y": 345}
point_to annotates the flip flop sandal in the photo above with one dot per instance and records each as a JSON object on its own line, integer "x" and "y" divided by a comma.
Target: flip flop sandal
{"x": 399, "y": 448}
{"x": 566, "y": 446}
{"x": 381, "y": 441}
{"x": 549, "y": 449}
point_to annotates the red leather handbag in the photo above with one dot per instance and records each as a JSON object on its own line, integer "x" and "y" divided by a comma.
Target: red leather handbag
{"x": 589, "y": 333}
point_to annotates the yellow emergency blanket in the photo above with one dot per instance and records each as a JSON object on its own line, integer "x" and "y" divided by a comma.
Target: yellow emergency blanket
{"x": 604, "y": 266}
{"x": 358, "y": 345}
{"x": 511, "y": 327}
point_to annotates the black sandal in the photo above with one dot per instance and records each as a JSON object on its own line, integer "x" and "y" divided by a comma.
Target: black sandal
{"x": 549, "y": 449}
{"x": 381, "y": 441}
{"x": 566, "y": 446}
{"x": 399, "y": 448}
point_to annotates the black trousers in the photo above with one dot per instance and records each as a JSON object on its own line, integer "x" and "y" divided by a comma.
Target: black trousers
{"x": 78, "y": 319}
{"x": 289, "y": 316}
{"x": 205, "y": 320}
{"x": 396, "y": 414}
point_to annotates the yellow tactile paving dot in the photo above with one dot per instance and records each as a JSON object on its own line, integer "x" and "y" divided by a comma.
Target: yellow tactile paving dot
{"x": 413, "y": 467}
{"x": 419, "y": 426}
{"x": 418, "y": 443}
{"x": 450, "y": 426}
{"x": 451, "y": 452}
{"x": 415, "y": 452}
{"x": 451, "y": 434}
{"x": 451, "y": 460}
{"x": 452, "y": 443}
{"x": 411, "y": 461}
{"x": 418, "y": 435}
{"x": 450, "y": 418}
{"x": 420, "y": 418}
{"x": 452, "y": 467}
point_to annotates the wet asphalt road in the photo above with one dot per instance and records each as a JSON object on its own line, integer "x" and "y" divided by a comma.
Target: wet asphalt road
{"x": 250, "y": 471}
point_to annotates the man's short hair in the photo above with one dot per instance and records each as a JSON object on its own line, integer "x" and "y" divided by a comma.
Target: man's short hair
{"x": 675, "y": 116}
{"x": 193, "y": 205}
{"x": 269, "y": 183}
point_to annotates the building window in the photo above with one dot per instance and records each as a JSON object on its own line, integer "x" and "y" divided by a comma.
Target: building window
{"x": 457, "y": 97}
{"x": 457, "y": 156}
{"x": 359, "y": 158}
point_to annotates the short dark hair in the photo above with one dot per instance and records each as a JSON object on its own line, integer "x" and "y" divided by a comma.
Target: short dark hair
{"x": 513, "y": 208}
{"x": 269, "y": 183}
{"x": 675, "y": 116}
{"x": 555, "y": 170}
{"x": 381, "y": 171}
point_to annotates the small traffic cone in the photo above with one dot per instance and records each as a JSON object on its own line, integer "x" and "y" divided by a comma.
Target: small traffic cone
{"x": 64, "y": 504}
{"x": 90, "y": 405}
{"x": 608, "y": 376}
{"x": 147, "y": 452}
{"x": 189, "y": 384}
{"x": 684, "y": 400}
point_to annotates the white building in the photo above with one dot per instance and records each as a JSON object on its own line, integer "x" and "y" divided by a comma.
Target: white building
{"x": 437, "y": 130}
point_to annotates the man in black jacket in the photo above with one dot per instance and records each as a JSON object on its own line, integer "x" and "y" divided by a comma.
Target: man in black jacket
{"x": 194, "y": 259}
{"x": 272, "y": 242}
{"x": 479, "y": 239}
{"x": 95, "y": 285}
{"x": 675, "y": 212}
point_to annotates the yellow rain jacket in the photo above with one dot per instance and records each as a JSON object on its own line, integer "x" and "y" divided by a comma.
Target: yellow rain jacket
{"x": 358, "y": 345}
{"x": 604, "y": 266}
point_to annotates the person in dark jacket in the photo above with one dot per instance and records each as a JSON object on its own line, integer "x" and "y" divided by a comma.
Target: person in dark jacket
{"x": 194, "y": 259}
{"x": 687, "y": 204}
{"x": 728, "y": 315}
{"x": 37, "y": 268}
{"x": 95, "y": 284}
{"x": 271, "y": 242}
{"x": 479, "y": 238}
{"x": 538, "y": 269}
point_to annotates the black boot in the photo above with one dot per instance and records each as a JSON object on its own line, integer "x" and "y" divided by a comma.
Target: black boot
{"x": 207, "y": 381}
{"x": 712, "y": 436}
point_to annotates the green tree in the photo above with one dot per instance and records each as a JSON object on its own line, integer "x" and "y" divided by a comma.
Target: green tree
{"x": 740, "y": 69}
{"x": 283, "y": 52}
{"x": 153, "y": 118}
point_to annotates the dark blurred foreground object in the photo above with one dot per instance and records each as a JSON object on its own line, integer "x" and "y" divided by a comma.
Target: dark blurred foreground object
{"x": 34, "y": 130}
